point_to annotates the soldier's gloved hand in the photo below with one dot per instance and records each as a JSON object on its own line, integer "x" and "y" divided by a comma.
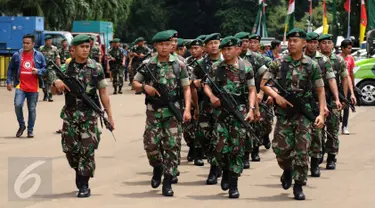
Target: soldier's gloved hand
{"x": 186, "y": 116}
{"x": 250, "y": 116}
{"x": 338, "y": 104}
{"x": 353, "y": 99}
{"x": 319, "y": 121}
{"x": 215, "y": 101}
{"x": 282, "y": 102}
{"x": 151, "y": 91}
{"x": 60, "y": 86}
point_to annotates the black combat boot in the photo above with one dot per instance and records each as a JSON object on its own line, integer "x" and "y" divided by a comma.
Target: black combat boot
{"x": 314, "y": 166}
{"x": 78, "y": 179}
{"x": 331, "y": 162}
{"x": 190, "y": 156}
{"x": 198, "y": 160}
{"x": 120, "y": 90}
{"x": 233, "y": 186}
{"x": 50, "y": 97}
{"x": 298, "y": 191}
{"x": 167, "y": 186}
{"x": 84, "y": 190}
{"x": 174, "y": 180}
{"x": 45, "y": 98}
{"x": 212, "y": 176}
{"x": 286, "y": 179}
{"x": 115, "y": 90}
{"x": 266, "y": 141}
{"x": 255, "y": 154}
{"x": 156, "y": 178}
{"x": 225, "y": 180}
{"x": 246, "y": 160}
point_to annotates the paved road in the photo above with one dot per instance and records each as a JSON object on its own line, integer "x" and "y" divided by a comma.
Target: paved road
{"x": 123, "y": 174}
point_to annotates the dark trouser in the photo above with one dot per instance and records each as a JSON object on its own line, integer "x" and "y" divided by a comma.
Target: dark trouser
{"x": 345, "y": 117}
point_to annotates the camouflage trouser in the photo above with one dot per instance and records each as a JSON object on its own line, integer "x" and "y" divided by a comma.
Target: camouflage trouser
{"x": 79, "y": 141}
{"x": 189, "y": 131}
{"x": 262, "y": 128}
{"x": 162, "y": 142}
{"x": 230, "y": 143}
{"x": 333, "y": 126}
{"x": 48, "y": 79}
{"x": 291, "y": 144}
{"x": 118, "y": 77}
{"x": 205, "y": 134}
{"x": 316, "y": 147}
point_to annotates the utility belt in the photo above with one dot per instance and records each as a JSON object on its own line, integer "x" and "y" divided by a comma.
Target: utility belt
{"x": 158, "y": 103}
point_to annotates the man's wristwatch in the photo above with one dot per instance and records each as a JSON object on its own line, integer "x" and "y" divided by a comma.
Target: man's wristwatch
{"x": 143, "y": 88}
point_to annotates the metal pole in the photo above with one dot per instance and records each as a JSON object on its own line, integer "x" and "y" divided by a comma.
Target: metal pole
{"x": 348, "y": 35}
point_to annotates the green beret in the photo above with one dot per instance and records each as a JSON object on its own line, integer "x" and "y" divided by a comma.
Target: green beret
{"x": 312, "y": 36}
{"x": 139, "y": 40}
{"x": 255, "y": 37}
{"x": 213, "y": 36}
{"x": 297, "y": 33}
{"x": 91, "y": 38}
{"x": 47, "y": 37}
{"x": 196, "y": 42}
{"x": 242, "y": 35}
{"x": 116, "y": 40}
{"x": 202, "y": 37}
{"x": 325, "y": 37}
{"x": 79, "y": 39}
{"x": 174, "y": 32}
{"x": 180, "y": 42}
{"x": 163, "y": 36}
{"x": 228, "y": 42}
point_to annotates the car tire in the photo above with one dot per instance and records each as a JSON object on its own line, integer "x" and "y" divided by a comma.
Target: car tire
{"x": 368, "y": 92}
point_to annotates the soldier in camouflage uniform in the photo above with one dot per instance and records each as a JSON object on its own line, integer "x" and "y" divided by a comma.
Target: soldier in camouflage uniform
{"x": 236, "y": 77}
{"x": 64, "y": 51}
{"x": 264, "y": 126}
{"x": 163, "y": 133}
{"x": 297, "y": 74}
{"x": 328, "y": 76}
{"x": 80, "y": 132}
{"x": 50, "y": 53}
{"x": 206, "y": 121}
{"x": 95, "y": 52}
{"x": 333, "y": 121}
{"x": 116, "y": 66}
{"x": 194, "y": 143}
{"x": 138, "y": 51}
{"x": 181, "y": 49}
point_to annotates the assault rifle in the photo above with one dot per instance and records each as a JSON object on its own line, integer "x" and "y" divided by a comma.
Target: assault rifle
{"x": 78, "y": 90}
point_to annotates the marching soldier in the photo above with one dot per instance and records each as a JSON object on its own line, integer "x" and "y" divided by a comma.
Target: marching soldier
{"x": 163, "y": 132}
{"x": 64, "y": 51}
{"x": 298, "y": 75}
{"x": 95, "y": 51}
{"x": 116, "y": 66}
{"x": 137, "y": 52}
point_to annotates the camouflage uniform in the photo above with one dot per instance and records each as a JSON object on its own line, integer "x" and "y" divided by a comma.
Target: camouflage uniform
{"x": 229, "y": 134}
{"x": 116, "y": 67}
{"x": 137, "y": 61}
{"x": 163, "y": 133}
{"x": 50, "y": 53}
{"x": 64, "y": 54}
{"x": 292, "y": 137}
{"x": 80, "y": 132}
{"x": 316, "y": 147}
{"x": 264, "y": 126}
{"x": 333, "y": 121}
{"x": 95, "y": 52}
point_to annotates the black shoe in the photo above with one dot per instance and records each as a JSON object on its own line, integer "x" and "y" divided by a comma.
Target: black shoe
{"x": 255, "y": 154}
{"x": 120, "y": 91}
{"x": 190, "y": 156}
{"x": 286, "y": 179}
{"x": 298, "y": 192}
{"x": 138, "y": 93}
{"x": 30, "y": 135}
{"x": 20, "y": 131}
{"x": 225, "y": 180}
{"x": 267, "y": 142}
{"x": 331, "y": 162}
{"x": 78, "y": 180}
{"x": 233, "y": 187}
{"x": 84, "y": 190}
{"x": 45, "y": 98}
{"x": 174, "y": 180}
{"x": 314, "y": 167}
{"x": 198, "y": 160}
{"x": 156, "y": 178}
{"x": 167, "y": 186}
{"x": 50, "y": 100}
{"x": 246, "y": 161}
{"x": 115, "y": 90}
{"x": 212, "y": 176}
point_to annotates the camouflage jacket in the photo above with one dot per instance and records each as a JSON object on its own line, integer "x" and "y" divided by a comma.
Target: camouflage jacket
{"x": 92, "y": 78}
{"x": 191, "y": 64}
{"x": 339, "y": 68}
{"x": 118, "y": 54}
{"x": 164, "y": 73}
{"x": 206, "y": 63}
{"x": 95, "y": 52}
{"x": 325, "y": 66}
{"x": 139, "y": 50}
{"x": 258, "y": 63}
{"x": 64, "y": 54}
{"x": 50, "y": 53}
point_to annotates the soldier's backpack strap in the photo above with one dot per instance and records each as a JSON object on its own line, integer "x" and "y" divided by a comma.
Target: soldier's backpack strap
{"x": 337, "y": 66}
{"x": 177, "y": 72}
{"x": 242, "y": 72}
{"x": 322, "y": 65}
{"x": 284, "y": 71}
{"x": 309, "y": 70}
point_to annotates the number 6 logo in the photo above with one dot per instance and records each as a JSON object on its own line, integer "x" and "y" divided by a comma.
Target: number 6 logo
{"x": 25, "y": 176}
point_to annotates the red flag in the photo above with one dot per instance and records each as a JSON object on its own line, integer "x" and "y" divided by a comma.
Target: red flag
{"x": 311, "y": 9}
{"x": 347, "y": 5}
